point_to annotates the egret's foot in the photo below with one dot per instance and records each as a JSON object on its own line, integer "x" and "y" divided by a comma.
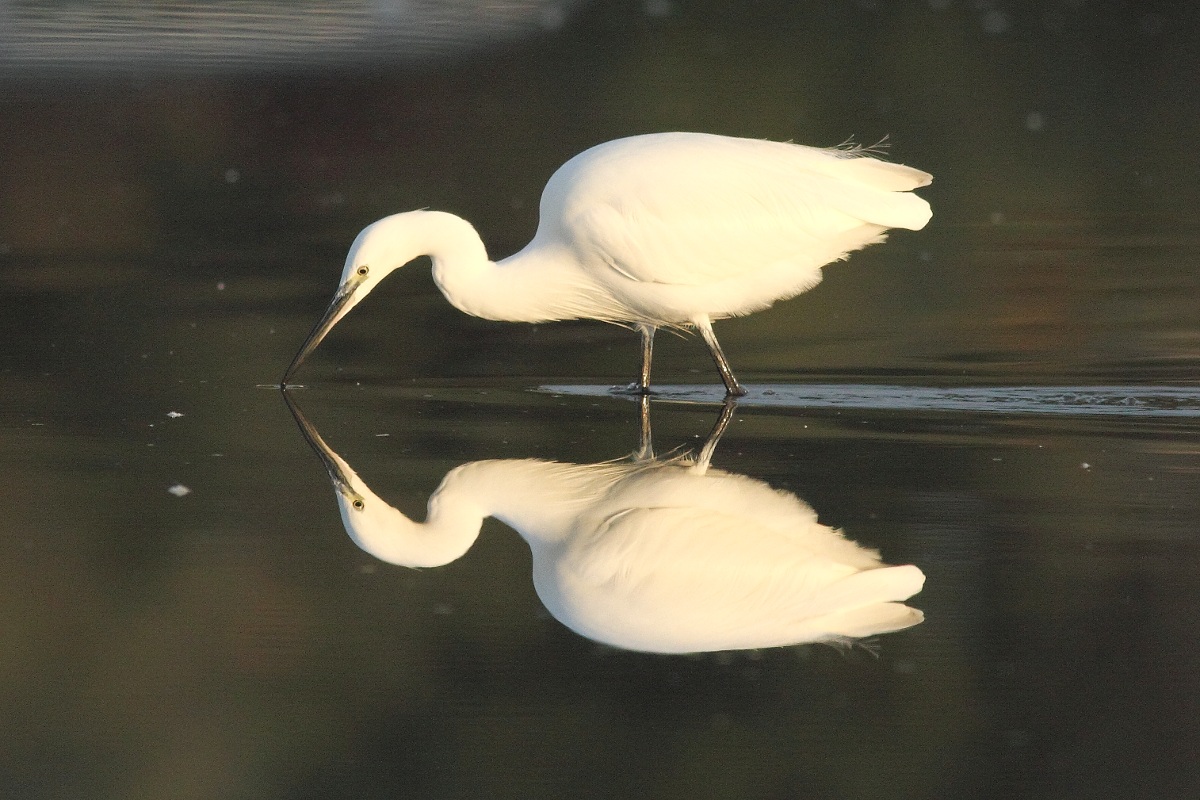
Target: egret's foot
{"x": 633, "y": 389}
{"x": 737, "y": 390}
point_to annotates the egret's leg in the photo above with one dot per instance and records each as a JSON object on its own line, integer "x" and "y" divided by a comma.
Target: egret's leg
{"x": 732, "y": 387}
{"x": 647, "y": 332}
{"x": 642, "y": 385}
{"x": 714, "y": 436}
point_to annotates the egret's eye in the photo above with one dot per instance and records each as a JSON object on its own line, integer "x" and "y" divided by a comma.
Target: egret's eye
{"x": 359, "y": 505}
{"x": 363, "y": 270}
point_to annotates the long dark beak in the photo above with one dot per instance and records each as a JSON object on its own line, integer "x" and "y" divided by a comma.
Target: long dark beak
{"x": 330, "y": 318}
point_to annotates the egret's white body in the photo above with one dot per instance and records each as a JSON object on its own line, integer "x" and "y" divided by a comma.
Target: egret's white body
{"x": 661, "y": 230}
{"x": 657, "y": 556}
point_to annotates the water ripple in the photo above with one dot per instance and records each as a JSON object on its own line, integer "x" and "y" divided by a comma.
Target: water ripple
{"x": 1122, "y": 401}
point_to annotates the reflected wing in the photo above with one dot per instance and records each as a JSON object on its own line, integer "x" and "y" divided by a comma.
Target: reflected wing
{"x": 692, "y": 209}
{"x": 684, "y": 551}
{"x": 680, "y": 579}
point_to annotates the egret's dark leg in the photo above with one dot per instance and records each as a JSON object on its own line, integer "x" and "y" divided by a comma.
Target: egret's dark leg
{"x": 714, "y": 436}
{"x": 647, "y": 332}
{"x": 642, "y": 385}
{"x": 732, "y": 387}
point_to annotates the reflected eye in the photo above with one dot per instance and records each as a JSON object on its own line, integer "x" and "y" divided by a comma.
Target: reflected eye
{"x": 359, "y": 505}
{"x": 363, "y": 270}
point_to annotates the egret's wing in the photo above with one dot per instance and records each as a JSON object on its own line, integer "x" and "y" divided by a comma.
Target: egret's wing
{"x": 692, "y": 209}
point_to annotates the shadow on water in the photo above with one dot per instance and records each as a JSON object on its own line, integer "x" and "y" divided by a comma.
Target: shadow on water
{"x": 648, "y": 554}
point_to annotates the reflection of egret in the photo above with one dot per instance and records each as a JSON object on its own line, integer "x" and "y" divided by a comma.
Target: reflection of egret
{"x": 663, "y": 230}
{"x": 666, "y": 556}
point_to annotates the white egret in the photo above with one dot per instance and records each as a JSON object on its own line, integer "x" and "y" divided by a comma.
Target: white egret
{"x": 662, "y": 230}
{"x": 665, "y": 556}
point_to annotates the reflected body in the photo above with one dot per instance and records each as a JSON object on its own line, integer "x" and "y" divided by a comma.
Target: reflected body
{"x": 663, "y": 230}
{"x": 665, "y": 556}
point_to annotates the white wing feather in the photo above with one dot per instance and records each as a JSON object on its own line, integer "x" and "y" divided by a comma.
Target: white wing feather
{"x": 693, "y": 209}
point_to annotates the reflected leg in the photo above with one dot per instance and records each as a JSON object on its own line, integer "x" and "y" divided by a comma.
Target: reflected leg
{"x": 714, "y": 436}
{"x": 645, "y": 451}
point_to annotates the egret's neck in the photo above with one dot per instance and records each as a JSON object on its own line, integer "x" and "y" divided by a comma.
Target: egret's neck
{"x": 537, "y": 498}
{"x": 539, "y": 284}
{"x": 453, "y": 245}
{"x": 450, "y": 528}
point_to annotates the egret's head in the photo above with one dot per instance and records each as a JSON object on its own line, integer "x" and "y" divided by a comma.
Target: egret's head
{"x": 379, "y": 249}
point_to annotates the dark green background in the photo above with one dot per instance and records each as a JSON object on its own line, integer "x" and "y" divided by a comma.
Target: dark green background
{"x": 174, "y": 211}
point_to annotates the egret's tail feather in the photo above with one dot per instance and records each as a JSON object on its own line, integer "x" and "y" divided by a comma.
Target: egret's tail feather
{"x": 869, "y": 588}
{"x": 868, "y": 603}
{"x": 884, "y": 174}
{"x": 871, "y": 620}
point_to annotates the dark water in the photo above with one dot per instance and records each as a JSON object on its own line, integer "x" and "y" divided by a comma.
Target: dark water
{"x": 1007, "y": 400}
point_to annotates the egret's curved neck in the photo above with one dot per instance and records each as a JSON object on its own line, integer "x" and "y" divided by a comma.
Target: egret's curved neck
{"x": 461, "y": 267}
{"x": 451, "y": 526}
{"x": 539, "y": 284}
{"x": 537, "y": 498}
{"x": 453, "y": 244}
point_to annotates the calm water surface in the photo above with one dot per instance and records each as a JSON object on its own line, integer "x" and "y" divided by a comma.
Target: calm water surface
{"x": 234, "y": 642}
{"x": 1007, "y": 400}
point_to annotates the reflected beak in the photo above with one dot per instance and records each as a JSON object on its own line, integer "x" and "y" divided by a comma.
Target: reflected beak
{"x": 331, "y": 462}
{"x": 342, "y": 302}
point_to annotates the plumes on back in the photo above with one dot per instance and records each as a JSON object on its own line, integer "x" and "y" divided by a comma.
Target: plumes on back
{"x": 680, "y": 225}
